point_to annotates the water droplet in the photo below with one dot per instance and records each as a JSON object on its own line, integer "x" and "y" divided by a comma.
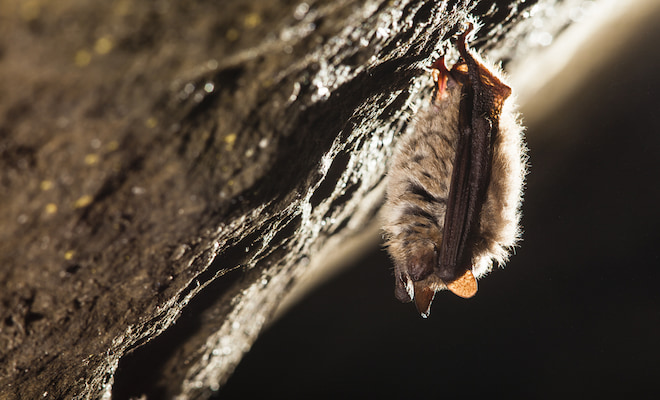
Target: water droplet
{"x": 542, "y": 38}
{"x": 382, "y": 33}
{"x": 301, "y": 11}
{"x": 323, "y": 93}
{"x": 211, "y": 64}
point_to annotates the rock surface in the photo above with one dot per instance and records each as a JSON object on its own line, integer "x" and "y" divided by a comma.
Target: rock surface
{"x": 160, "y": 154}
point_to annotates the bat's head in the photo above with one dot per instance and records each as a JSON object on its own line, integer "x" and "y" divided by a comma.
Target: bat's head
{"x": 418, "y": 277}
{"x": 423, "y": 291}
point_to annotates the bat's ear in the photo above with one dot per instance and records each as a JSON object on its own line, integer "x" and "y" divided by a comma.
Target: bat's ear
{"x": 465, "y": 286}
{"x": 424, "y": 295}
{"x": 403, "y": 288}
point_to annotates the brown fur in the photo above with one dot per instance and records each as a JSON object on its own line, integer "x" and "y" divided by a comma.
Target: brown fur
{"x": 418, "y": 187}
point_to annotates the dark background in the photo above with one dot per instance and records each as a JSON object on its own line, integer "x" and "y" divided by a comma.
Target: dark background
{"x": 574, "y": 314}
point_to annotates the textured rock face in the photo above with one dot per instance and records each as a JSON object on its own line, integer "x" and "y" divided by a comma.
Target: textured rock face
{"x": 159, "y": 154}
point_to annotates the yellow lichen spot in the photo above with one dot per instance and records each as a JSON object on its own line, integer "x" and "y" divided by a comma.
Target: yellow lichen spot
{"x": 82, "y": 58}
{"x": 151, "y": 122}
{"x": 84, "y": 201}
{"x": 69, "y": 254}
{"x": 103, "y": 45}
{"x": 230, "y": 140}
{"x": 251, "y": 20}
{"x": 91, "y": 159}
{"x": 46, "y": 185}
{"x": 112, "y": 146}
{"x": 30, "y": 10}
{"x": 230, "y": 183}
{"x": 51, "y": 208}
{"x": 232, "y": 34}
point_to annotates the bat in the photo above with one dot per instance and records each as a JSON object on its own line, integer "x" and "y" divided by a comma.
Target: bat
{"x": 454, "y": 188}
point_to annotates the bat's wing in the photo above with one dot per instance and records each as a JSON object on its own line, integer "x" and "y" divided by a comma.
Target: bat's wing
{"x": 481, "y": 104}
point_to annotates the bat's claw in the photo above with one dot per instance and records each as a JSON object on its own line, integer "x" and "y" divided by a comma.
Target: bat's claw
{"x": 440, "y": 74}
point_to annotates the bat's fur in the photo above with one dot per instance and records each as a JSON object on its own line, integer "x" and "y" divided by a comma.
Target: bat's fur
{"x": 418, "y": 186}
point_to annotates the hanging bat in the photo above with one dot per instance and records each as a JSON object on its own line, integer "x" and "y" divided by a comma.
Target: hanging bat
{"x": 455, "y": 185}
